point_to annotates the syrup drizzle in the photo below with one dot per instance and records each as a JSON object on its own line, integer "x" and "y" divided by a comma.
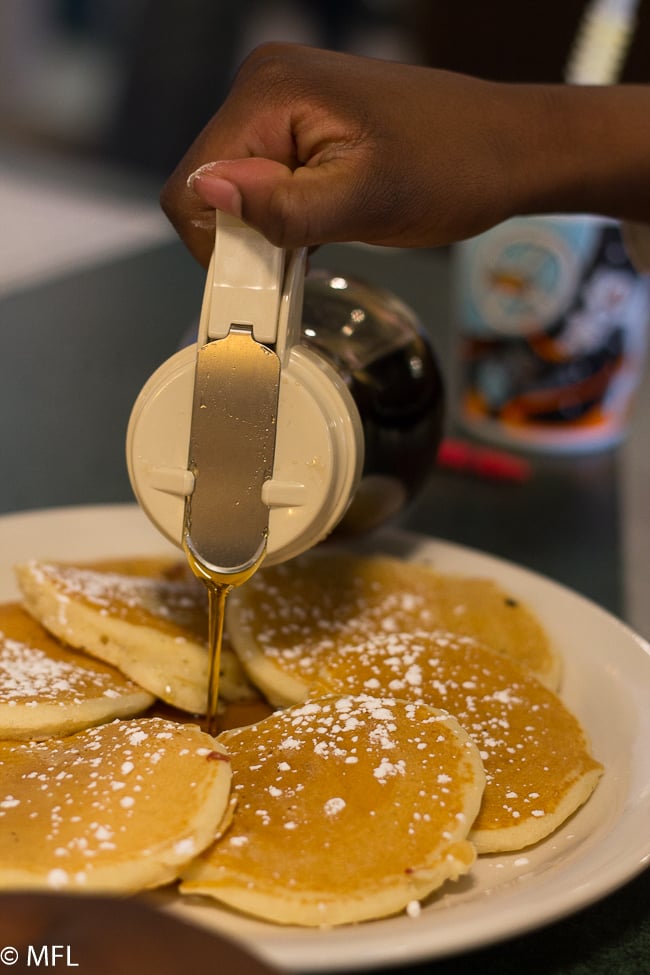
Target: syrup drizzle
{"x": 218, "y": 585}
{"x": 217, "y": 595}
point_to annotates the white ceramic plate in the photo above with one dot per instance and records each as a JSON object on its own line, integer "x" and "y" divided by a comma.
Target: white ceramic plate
{"x": 606, "y": 683}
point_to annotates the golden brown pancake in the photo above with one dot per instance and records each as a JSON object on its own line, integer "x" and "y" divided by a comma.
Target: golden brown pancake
{"x": 536, "y": 758}
{"x": 47, "y": 689}
{"x": 153, "y": 629}
{"x": 119, "y": 807}
{"x": 348, "y": 808}
{"x": 287, "y": 615}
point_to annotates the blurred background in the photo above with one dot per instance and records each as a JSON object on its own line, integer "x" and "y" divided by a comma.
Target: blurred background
{"x": 133, "y": 81}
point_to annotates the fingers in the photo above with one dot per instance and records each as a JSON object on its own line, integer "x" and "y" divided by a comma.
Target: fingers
{"x": 292, "y": 208}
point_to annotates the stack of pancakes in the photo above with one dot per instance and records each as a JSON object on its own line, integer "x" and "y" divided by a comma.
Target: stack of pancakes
{"x": 385, "y": 724}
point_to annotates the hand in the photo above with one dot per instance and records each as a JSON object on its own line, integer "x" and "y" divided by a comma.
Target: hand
{"x": 317, "y": 146}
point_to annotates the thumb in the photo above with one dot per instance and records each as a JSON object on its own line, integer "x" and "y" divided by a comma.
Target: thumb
{"x": 292, "y": 208}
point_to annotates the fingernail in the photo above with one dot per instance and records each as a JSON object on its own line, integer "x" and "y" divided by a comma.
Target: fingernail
{"x": 206, "y": 168}
{"x": 216, "y": 191}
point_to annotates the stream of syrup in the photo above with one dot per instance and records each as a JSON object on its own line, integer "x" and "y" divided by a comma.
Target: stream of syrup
{"x": 218, "y": 585}
{"x": 217, "y": 595}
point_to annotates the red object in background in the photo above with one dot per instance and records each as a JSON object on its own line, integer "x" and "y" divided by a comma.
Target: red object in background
{"x": 496, "y": 465}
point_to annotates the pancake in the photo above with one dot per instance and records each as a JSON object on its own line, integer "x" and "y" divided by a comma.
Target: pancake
{"x": 347, "y": 808}
{"x": 120, "y": 807}
{"x": 286, "y": 615}
{"x": 153, "y": 629}
{"x": 47, "y": 689}
{"x": 537, "y": 762}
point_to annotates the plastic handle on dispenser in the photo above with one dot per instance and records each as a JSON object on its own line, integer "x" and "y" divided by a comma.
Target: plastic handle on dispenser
{"x": 244, "y": 283}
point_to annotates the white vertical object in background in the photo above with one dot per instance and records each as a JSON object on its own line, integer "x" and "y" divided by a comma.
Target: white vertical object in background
{"x": 602, "y": 41}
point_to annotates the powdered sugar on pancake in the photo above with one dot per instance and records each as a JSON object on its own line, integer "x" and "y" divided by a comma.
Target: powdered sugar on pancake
{"x": 317, "y": 785}
{"x": 85, "y": 811}
{"x": 533, "y": 749}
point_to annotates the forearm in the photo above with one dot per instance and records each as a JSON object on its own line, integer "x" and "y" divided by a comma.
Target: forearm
{"x": 580, "y": 149}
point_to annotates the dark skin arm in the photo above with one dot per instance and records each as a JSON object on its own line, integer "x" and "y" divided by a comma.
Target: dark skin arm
{"x": 314, "y": 146}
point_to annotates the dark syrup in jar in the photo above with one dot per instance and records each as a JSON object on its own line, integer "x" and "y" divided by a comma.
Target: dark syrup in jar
{"x": 378, "y": 346}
